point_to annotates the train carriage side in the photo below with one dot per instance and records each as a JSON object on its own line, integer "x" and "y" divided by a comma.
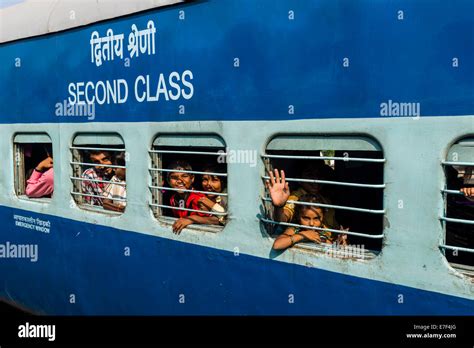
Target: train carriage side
{"x": 259, "y": 95}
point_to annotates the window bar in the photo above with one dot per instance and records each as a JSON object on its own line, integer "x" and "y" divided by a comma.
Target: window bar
{"x": 342, "y": 183}
{"x": 96, "y": 196}
{"x": 461, "y": 221}
{"x": 187, "y": 209}
{"x": 376, "y": 236}
{"x": 186, "y": 171}
{"x": 97, "y": 165}
{"x": 189, "y": 152}
{"x": 95, "y": 148}
{"x": 184, "y": 190}
{"x": 452, "y": 247}
{"x": 453, "y": 192}
{"x": 345, "y": 159}
{"x": 462, "y": 164}
{"x": 363, "y": 210}
{"x": 96, "y": 180}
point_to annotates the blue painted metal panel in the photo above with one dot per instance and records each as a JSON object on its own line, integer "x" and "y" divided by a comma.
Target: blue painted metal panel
{"x": 88, "y": 261}
{"x": 282, "y": 62}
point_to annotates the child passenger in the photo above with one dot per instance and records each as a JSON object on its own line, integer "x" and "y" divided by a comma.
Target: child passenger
{"x": 115, "y": 192}
{"x": 280, "y": 193}
{"x": 311, "y": 216}
{"x": 214, "y": 184}
{"x": 183, "y": 198}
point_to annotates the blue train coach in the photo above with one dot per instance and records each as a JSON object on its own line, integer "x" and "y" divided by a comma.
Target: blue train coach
{"x": 123, "y": 110}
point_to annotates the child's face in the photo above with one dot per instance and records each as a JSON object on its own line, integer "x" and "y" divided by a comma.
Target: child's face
{"x": 120, "y": 173}
{"x": 211, "y": 183}
{"x": 181, "y": 181}
{"x": 311, "y": 217}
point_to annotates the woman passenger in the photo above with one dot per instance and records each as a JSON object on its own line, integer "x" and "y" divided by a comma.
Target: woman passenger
{"x": 41, "y": 182}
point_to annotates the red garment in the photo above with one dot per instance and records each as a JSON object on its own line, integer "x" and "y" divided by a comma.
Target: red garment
{"x": 191, "y": 203}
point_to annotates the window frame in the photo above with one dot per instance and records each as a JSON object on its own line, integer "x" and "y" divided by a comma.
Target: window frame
{"x": 77, "y": 164}
{"x": 182, "y": 141}
{"x": 19, "y": 140}
{"x": 302, "y": 144}
{"x": 465, "y": 269}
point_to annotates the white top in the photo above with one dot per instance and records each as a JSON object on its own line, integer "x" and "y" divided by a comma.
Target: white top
{"x": 25, "y": 18}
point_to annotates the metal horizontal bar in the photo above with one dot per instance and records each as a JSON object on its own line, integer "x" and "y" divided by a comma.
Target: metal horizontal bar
{"x": 96, "y": 196}
{"x": 340, "y": 251}
{"x": 96, "y": 180}
{"x": 95, "y": 148}
{"x": 451, "y": 247}
{"x": 187, "y": 209}
{"x": 183, "y": 190}
{"x": 345, "y": 159}
{"x": 461, "y": 221}
{"x": 186, "y": 171}
{"x": 342, "y": 207}
{"x": 453, "y": 192}
{"x": 342, "y": 183}
{"x": 97, "y": 165}
{"x": 196, "y": 227}
{"x": 464, "y": 164}
{"x": 376, "y": 236}
{"x": 98, "y": 208}
{"x": 189, "y": 152}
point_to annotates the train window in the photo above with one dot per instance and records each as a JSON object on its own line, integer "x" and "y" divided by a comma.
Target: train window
{"x": 33, "y": 169}
{"x": 340, "y": 179}
{"x": 99, "y": 172}
{"x": 189, "y": 181}
{"x": 458, "y": 217}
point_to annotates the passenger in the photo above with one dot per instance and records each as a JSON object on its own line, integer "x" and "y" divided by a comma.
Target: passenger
{"x": 182, "y": 198}
{"x": 98, "y": 172}
{"x": 312, "y": 216}
{"x": 214, "y": 184}
{"x": 116, "y": 190}
{"x": 460, "y": 207}
{"x": 468, "y": 192}
{"x": 468, "y": 183}
{"x": 280, "y": 194}
{"x": 41, "y": 182}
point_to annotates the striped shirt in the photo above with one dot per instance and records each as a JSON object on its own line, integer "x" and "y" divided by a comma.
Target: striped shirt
{"x": 116, "y": 191}
{"x": 92, "y": 187}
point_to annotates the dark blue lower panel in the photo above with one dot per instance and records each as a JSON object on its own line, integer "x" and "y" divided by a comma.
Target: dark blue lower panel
{"x": 88, "y": 261}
